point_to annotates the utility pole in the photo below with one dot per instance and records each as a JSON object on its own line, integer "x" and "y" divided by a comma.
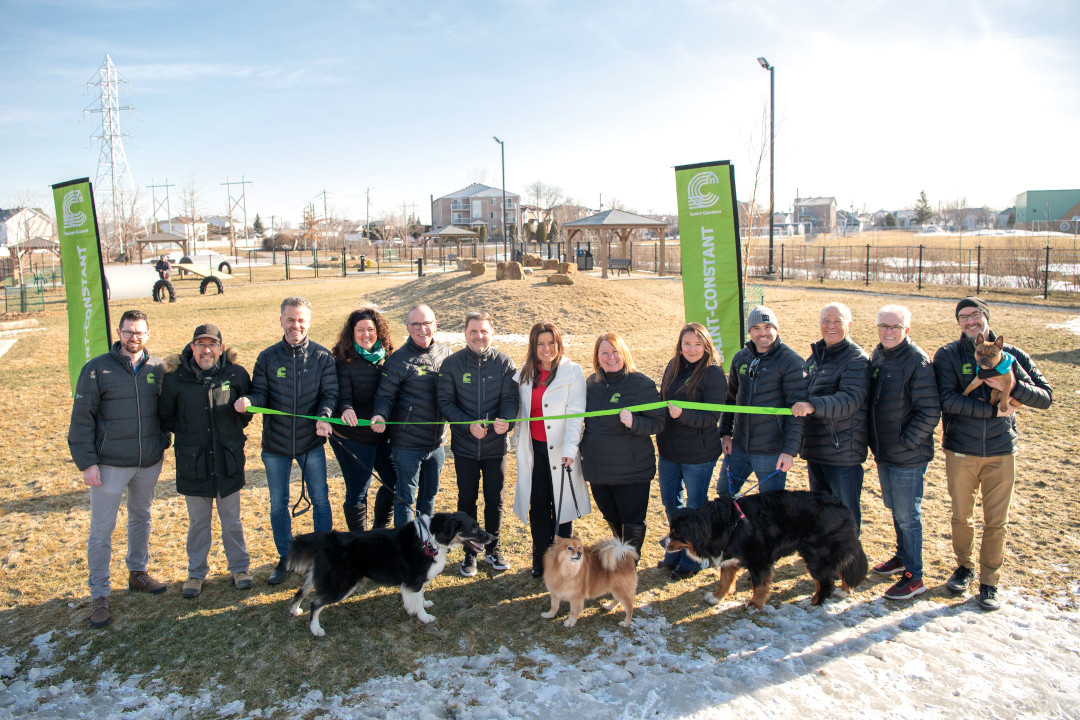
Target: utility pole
{"x": 157, "y": 205}
{"x": 404, "y": 217}
{"x": 241, "y": 200}
{"x": 326, "y": 218}
{"x": 114, "y": 178}
{"x": 367, "y": 213}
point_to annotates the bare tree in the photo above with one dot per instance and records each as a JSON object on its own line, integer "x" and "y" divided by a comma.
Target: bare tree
{"x": 475, "y": 175}
{"x": 757, "y": 151}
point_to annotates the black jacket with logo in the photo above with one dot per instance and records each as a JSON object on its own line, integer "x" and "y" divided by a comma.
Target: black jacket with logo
{"x": 196, "y": 406}
{"x": 114, "y": 417}
{"x": 838, "y": 386}
{"x": 971, "y": 424}
{"x": 408, "y": 392}
{"x": 301, "y": 380}
{"x": 904, "y": 405}
{"x": 611, "y": 453}
{"x": 778, "y": 381}
{"x": 478, "y": 387}
{"x": 694, "y": 436}
{"x": 358, "y": 381}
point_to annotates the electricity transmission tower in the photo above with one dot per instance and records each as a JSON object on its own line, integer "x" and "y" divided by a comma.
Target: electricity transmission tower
{"x": 114, "y": 186}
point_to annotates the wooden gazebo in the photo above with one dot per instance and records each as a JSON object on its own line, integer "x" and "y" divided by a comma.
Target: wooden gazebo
{"x": 618, "y": 223}
{"x": 450, "y": 232}
{"x": 163, "y": 239}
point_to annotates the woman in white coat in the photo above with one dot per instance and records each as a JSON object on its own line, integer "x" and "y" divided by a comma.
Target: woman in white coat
{"x": 550, "y": 489}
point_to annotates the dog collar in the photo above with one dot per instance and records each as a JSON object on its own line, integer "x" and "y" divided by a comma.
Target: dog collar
{"x": 1000, "y": 369}
{"x": 425, "y": 537}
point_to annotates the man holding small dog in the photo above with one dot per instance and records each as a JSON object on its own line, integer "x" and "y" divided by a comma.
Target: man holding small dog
{"x": 980, "y": 442}
{"x": 477, "y": 383}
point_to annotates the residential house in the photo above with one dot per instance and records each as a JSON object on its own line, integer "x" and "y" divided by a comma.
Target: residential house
{"x": 847, "y": 222}
{"x": 477, "y": 205}
{"x": 1001, "y": 220}
{"x": 817, "y": 213}
{"x": 20, "y": 224}
{"x": 905, "y": 219}
{"x": 184, "y": 227}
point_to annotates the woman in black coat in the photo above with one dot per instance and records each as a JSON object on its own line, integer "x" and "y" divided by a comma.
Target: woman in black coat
{"x": 617, "y": 456}
{"x": 361, "y": 348}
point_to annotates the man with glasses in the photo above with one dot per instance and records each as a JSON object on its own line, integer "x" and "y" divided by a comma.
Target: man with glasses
{"x": 299, "y": 377}
{"x": 764, "y": 373}
{"x": 904, "y": 410}
{"x": 408, "y": 393}
{"x": 980, "y": 442}
{"x": 198, "y": 394}
{"x": 116, "y": 441}
{"x": 834, "y": 436}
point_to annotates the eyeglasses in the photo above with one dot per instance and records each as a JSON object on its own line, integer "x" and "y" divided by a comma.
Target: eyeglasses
{"x": 753, "y": 368}
{"x": 207, "y": 346}
{"x": 418, "y": 325}
{"x": 887, "y": 328}
{"x": 134, "y": 333}
{"x": 973, "y": 315}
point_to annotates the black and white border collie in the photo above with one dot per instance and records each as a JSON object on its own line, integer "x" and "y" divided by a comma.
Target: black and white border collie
{"x": 335, "y": 563}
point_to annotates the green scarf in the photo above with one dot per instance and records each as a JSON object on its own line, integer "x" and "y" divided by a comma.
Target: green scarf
{"x": 373, "y": 356}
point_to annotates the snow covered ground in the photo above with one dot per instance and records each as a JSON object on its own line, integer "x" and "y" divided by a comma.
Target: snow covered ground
{"x": 850, "y": 659}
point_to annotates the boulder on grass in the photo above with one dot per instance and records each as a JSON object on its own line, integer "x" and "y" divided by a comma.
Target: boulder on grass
{"x": 478, "y": 268}
{"x": 464, "y": 264}
{"x": 531, "y": 260}
{"x": 560, "y": 279}
{"x": 509, "y": 271}
{"x": 551, "y": 264}
{"x": 567, "y": 268}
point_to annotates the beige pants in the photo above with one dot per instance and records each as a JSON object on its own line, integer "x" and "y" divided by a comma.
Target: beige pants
{"x": 994, "y": 477}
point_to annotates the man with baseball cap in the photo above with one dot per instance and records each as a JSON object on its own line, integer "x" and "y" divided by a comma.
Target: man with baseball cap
{"x": 198, "y": 393}
{"x": 764, "y": 373}
{"x": 980, "y": 443}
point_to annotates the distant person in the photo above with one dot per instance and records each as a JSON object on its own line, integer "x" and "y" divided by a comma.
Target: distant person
{"x": 904, "y": 410}
{"x": 360, "y": 355}
{"x": 197, "y": 404}
{"x": 980, "y": 446}
{"x": 551, "y": 491}
{"x": 764, "y": 373}
{"x": 834, "y": 430}
{"x": 163, "y": 267}
{"x": 296, "y": 376}
{"x": 477, "y": 383}
{"x": 408, "y": 391}
{"x": 116, "y": 441}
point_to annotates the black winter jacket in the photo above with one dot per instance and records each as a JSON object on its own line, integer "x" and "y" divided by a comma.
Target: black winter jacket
{"x": 611, "y": 453}
{"x": 114, "y": 418}
{"x": 301, "y": 380}
{"x": 208, "y": 434}
{"x": 358, "y": 381}
{"x": 904, "y": 405}
{"x": 694, "y": 436}
{"x": 478, "y": 387}
{"x": 778, "y": 381}
{"x": 838, "y": 386}
{"x": 971, "y": 424}
{"x": 408, "y": 391}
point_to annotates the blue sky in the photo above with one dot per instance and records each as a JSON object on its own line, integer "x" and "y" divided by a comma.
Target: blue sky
{"x": 875, "y": 101}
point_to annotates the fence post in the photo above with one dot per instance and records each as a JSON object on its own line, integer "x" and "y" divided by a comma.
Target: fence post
{"x": 249, "y": 264}
{"x": 978, "y": 269}
{"x": 1046, "y": 276}
{"x": 781, "y": 262}
{"x": 920, "y": 267}
{"x": 868, "y": 266}
{"x": 286, "y": 264}
{"x": 315, "y": 259}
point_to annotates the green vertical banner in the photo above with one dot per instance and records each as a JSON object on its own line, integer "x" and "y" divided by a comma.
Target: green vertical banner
{"x": 711, "y": 256}
{"x": 84, "y": 274}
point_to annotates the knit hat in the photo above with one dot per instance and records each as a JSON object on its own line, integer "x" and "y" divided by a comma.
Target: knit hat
{"x": 207, "y": 331}
{"x": 972, "y": 302}
{"x": 762, "y": 314}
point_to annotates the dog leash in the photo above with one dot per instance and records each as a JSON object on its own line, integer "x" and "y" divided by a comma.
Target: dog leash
{"x": 731, "y": 478}
{"x": 566, "y": 473}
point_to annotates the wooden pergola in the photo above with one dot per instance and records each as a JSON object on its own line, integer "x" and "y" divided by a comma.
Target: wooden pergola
{"x": 616, "y": 223}
{"x": 450, "y": 232}
{"x": 163, "y": 239}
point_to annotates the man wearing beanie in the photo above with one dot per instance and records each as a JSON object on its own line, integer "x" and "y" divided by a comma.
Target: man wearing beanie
{"x": 980, "y": 442}
{"x": 764, "y": 373}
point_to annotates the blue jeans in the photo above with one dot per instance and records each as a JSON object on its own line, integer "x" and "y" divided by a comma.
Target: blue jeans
{"x": 739, "y": 465}
{"x": 683, "y": 485}
{"x": 357, "y": 460}
{"x": 313, "y": 468}
{"x": 902, "y": 491}
{"x": 417, "y": 482}
{"x": 843, "y": 481}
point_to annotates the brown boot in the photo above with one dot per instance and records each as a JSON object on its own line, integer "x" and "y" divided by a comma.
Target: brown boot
{"x": 99, "y": 616}
{"x": 141, "y": 581}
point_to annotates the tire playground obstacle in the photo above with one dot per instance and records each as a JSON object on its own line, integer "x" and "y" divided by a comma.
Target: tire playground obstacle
{"x": 211, "y": 278}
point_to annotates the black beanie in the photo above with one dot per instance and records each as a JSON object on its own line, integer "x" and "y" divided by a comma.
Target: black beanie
{"x": 972, "y": 302}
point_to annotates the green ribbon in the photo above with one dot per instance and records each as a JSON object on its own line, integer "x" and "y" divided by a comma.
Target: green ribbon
{"x": 684, "y": 404}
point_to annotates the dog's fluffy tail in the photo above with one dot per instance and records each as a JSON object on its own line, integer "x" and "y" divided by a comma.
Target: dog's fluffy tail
{"x": 613, "y": 551}
{"x": 855, "y": 568}
{"x": 302, "y": 551}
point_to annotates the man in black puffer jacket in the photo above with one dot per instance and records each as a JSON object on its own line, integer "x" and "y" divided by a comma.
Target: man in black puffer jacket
{"x": 408, "y": 392}
{"x": 904, "y": 410}
{"x": 765, "y": 373}
{"x": 296, "y": 376}
{"x": 198, "y": 395}
{"x": 477, "y": 383}
{"x": 980, "y": 443}
{"x": 834, "y": 436}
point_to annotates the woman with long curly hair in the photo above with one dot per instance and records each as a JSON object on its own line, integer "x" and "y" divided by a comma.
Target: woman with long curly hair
{"x": 361, "y": 348}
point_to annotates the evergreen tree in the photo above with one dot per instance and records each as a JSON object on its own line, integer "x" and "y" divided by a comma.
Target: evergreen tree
{"x": 890, "y": 221}
{"x": 257, "y": 226}
{"x": 923, "y": 211}
{"x": 541, "y": 232}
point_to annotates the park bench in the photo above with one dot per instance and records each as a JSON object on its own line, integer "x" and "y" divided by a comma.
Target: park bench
{"x": 620, "y": 264}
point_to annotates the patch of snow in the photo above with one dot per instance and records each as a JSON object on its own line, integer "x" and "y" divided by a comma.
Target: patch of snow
{"x": 1072, "y": 325}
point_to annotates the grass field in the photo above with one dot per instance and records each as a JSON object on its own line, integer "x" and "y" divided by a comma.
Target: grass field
{"x": 246, "y": 643}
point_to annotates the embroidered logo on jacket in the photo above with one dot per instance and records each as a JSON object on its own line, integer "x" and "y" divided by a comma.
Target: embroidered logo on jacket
{"x": 281, "y": 372}
{"x": 150, "y": 378}
{"x": 467, "y": 378}
{"x": 615, "y": 398}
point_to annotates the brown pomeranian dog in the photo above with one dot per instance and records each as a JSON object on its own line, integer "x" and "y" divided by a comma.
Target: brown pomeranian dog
{"x": 576, "y": 573}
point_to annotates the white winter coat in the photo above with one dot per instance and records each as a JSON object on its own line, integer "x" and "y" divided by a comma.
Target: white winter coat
{"x": 565, "y": 394}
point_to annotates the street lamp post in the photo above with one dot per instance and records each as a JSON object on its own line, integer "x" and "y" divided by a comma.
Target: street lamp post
{"x": 771, "y": 274}
{"x": 502, "y": 210}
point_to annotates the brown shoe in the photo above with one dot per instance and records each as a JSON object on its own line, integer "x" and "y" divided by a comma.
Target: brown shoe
{"x": 243, "y": 580}
{"x": 142, "y": 582}
{"x": 192, "y": 587}
{"x": 99, "y": 616}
